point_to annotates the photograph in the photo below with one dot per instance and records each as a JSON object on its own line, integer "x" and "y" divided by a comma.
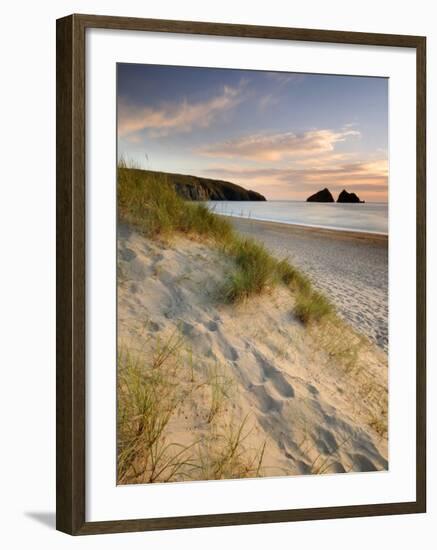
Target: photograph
{"x": 252, "y": 273}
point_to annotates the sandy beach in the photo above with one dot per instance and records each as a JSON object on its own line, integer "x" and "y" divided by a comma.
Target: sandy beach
{"x": 350, "y": 268}
{"x": 250, "y": 348}
{"x": 302, "y": 408}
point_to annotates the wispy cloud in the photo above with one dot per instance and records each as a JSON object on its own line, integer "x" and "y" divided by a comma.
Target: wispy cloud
{"x": 267, "y": 101}
{"x": 277, "y": 146}
{"x": 174, "y": 117}
{"x": 282, "y": 79}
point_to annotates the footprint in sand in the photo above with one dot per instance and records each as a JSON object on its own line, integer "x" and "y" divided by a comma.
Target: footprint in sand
{"x": 226, "y": 348}
{"x": 134, "y": 288}
{"x": 186, "y": 328}
{"x": 154, "y": 327}
{"x": 326, "y": 442}
{"x": 275, "y": 376}
{"x": 127, "y": 254}
{"x": 230, "y": 352}
{"x": 334, "y": 468}
{"x": 212, "y": 326}
{"x": 158, "y": 257}
{"x": 360, "y": 463}
{"x": 365, "y": 444}
{"x": 302, "y": 467}
{"x": 312, "y": 389}
{"x": 266, "y": 402}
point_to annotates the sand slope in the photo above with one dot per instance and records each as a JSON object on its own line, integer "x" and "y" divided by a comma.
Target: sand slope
{"x": 313, "y": 415}
{"x": 349, "y": 267}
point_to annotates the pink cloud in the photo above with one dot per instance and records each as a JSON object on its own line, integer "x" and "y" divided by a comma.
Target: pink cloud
{"x": 175, "y": 117}
{"x": 274, "y": 147}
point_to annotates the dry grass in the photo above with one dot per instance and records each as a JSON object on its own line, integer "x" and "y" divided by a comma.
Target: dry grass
{"x": 341, "y": 343}
{"x": 220, "y": 387}
{"x": 149, "y": 203}
{"x": 148, "y": 396}
{"x": 379, "y": 422}
{"x": 223, "y": 454}
{"x": 151, "y": 395}
{"x": 349, "y": 351}
{"x": 255, "y": 270}
{"x": 311, "y": 306}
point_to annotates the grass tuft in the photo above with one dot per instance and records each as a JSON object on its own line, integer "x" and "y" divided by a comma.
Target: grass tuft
{"x": 292, "y": 277}
{"x": 150, "y": 203}
{"x": 311, "y": 306}
{"x": 223, "y": 454}
{"x": 147, "y": 399}
{"x": 220, "y": 385}
{"x": 255, "y": 270}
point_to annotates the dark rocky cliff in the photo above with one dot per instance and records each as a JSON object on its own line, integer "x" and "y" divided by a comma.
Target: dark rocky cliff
{"x": 202, "y": 189}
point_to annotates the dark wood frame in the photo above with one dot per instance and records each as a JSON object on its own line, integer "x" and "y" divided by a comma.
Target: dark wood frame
{"x": 70, "y": 275}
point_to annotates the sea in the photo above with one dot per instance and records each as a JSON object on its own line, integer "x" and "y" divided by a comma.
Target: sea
{"x": 369, "y": 217}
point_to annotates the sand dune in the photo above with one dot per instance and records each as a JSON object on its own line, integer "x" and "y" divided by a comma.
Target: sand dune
{"x": 314, "y": 415}
{"x": 351, "y": 268}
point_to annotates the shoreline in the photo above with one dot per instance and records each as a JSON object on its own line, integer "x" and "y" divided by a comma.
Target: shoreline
{"x": 320, "y": 229}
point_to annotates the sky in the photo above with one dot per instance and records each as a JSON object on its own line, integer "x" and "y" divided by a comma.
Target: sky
{"x": 285, "y": 135}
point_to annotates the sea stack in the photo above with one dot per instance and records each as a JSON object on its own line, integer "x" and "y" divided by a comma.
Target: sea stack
{"x": 344, "y": 196}
{"x": 321, "y": 196}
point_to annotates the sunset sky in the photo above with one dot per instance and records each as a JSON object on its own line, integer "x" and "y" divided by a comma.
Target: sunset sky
{"x": 285, "y": 135}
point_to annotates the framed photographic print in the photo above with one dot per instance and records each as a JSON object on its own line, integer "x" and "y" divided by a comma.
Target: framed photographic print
{"x": 240, "y": 274}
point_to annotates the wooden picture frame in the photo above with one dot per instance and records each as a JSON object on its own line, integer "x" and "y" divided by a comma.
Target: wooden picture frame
{"x": 71, "y": 284}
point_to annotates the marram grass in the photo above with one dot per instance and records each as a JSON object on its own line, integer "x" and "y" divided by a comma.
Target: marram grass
{"x": 150, "y": 395}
